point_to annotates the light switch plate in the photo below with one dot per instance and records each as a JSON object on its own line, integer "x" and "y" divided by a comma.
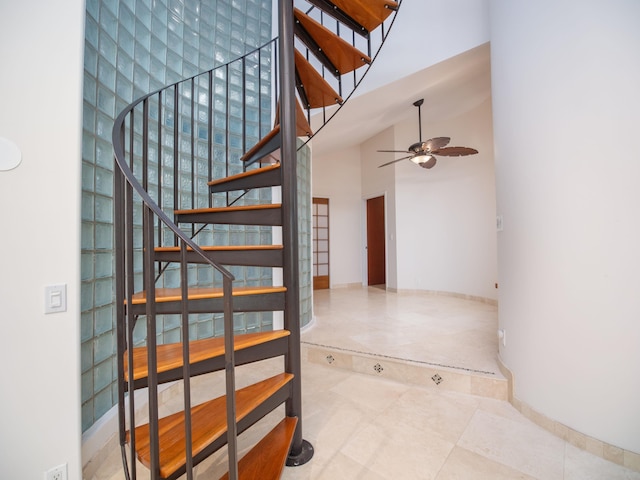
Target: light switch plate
{"x": 55, "y": 298}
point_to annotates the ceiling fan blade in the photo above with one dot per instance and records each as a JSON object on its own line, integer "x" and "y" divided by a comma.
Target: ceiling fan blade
{"x": 393, "y": 151}
{"x": 394, "y": 161}
{"x": 429, "y": 163}
{"x": 435, "y": 143}
{"x": 455, "y": 151}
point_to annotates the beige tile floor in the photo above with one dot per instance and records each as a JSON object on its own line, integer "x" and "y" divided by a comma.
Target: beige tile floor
{"x": 369, "y": 427}
{"x": 430, "y": 328}
{"x": 425, "y": 328}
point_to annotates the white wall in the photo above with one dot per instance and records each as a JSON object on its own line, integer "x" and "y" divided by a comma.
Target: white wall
{"x": 376, "y": 182}
{"x": 348, "y": 177}
{"x": 337, "y": 177}
{"x": 41, "y": 97}
{"x": 426, "y": 32}
{"x": 446, "y": 215}
{"x": 566, "y": 107}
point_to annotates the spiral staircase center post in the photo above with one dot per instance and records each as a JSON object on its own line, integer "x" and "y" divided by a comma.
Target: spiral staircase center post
{"x": 301, "y": 451}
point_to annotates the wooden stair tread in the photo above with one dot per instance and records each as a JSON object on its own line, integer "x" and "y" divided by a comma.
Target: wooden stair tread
{"x": 170, "y": 355}
{"x": 223, "y": 248}
{"x": 302, "y": 125}
{"x": 316, "y": 89}
{"x": 235, "y": 208}
{"x": 208, "y": 422}
{"x": 266, "y": 459}
{"x": 344, "y": 56}
{"x": 303, "y": 129}
{"x": 248, "y": 173}
{"x": 263, "y": 141}
{"x": 368, "y": 13}
{"x": 199, "y": 293}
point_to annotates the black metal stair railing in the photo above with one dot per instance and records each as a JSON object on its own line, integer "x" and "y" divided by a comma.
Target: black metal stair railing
{"x": 166, "y": 147}
{"x": 131, "y": 197}
{"x": 168, "y": 144}
{"x": 369, "y": 42}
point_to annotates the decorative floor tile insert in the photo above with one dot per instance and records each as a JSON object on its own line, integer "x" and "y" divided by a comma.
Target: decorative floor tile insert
{"x": 378, "y": 368}
{"x": 437, "y": 379}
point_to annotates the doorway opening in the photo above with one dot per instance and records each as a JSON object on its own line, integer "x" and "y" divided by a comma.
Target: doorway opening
{"x": 376, "y": 245}
{"x": 320, "y": 242}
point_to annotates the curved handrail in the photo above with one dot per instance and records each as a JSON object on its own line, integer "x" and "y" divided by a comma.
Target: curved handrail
{"x": 119, "y": 155}
{"x": 117, "y": 137}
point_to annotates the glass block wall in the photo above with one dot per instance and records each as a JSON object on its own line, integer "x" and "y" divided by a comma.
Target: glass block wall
{"x": 131, "y": 48}
{"x": 303, "y": 171}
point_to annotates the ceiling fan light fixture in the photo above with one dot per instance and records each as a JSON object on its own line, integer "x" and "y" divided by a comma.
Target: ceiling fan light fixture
{"x": 421, "y": 158}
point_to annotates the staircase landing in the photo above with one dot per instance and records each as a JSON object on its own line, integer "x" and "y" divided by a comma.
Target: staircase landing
{"x": 428, "y": 339}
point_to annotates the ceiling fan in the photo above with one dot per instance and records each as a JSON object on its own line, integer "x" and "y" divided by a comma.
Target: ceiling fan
{"x": 423, "y": 153}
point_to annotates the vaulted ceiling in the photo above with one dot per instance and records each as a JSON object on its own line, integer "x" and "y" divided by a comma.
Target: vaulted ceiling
{"x": 449, "y": 88}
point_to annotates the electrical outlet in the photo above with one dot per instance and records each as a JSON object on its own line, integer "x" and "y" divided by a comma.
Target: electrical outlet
{"x": 57, "y": 473}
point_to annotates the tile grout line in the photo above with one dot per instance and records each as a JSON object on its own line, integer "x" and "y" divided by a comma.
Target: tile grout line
{"x": 380, "y": 355}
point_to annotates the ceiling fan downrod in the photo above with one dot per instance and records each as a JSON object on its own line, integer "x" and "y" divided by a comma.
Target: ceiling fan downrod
{"x": 418, "y": 103}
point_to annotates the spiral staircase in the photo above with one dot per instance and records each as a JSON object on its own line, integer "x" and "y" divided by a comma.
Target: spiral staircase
{"x": 170, "y": 264}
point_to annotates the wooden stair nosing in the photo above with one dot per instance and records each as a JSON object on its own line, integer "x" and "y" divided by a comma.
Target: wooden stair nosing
{"x": 272, "y": 349}
{"x": 267, "y": 176}
{"x": 342, "y": 56}
{"x": 316, "y": 89}
{"x": 267, "y": 144}
{"x": 235, "y": 208}
{"x": 208, "y": 424}
{"x": 198, "y": 293}
{"x": 264, "y": 215}
{"x": 170, "y": 355}
{"x": 267, "y": 458}
{"x": 269, "y": 301}
{"x": 302, "y": 124}
{"x": 251, "y": 255}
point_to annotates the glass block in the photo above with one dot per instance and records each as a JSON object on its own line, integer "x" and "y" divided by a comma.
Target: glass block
{"x": 172, "y": 336}
{"x": 104, "y": 125}
{"x": 103, "y": 181}
{"x": 124, "y": 87}
{"x": 104, "y": 236}
{"x": 103, "y": 292}
{"x": 103, "y": 319}
{"x": 86, "y": 326}
{"x": 142, "y": 15}
{"x": 159, "y": 35}
{"x": 86, "y": 296}
{"x": 103, "y": 209}
{"x": 205, "y": 329}
{"x": 126, "y": 17}
{"x": 102, "y": 402}
{"x": 87, "y": 414}
{"x": 86, "y": 266}
{"x": 87, "y": 206}
{"x": 87, "y": 177}
{"x": 108, "y": 22}
{"x": 171, "y": 322}
{"x": 102, "y": 350}
{"x": 103, "y": 265}
{"x": 86, "y": 356}
{"x": 87, "y": 386}
{"x": 88, "y": 148}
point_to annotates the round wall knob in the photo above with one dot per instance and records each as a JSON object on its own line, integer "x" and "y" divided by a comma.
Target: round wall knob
{"x": 10, "y": 155}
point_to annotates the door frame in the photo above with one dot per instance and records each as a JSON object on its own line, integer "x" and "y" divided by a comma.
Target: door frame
{"x": 365, "y": 267}
{"x": 313, "y": 277}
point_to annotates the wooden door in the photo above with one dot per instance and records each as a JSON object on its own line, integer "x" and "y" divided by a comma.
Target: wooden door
{"x": 320, "y": 243}
{"x": 376, "y": 241}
